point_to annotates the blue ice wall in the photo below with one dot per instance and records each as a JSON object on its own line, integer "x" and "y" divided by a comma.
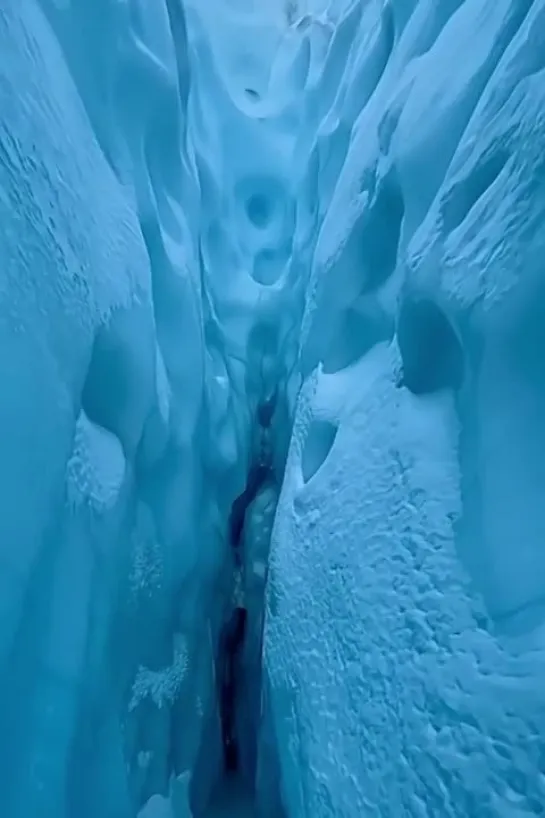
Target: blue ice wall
{"x": 101, "y": 475}
{"x": 404, "y": 645}
{"x": 300, "y": 240}
{"x": 140, "y": 350}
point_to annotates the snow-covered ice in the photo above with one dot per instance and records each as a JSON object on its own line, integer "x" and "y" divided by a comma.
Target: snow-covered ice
{"x": 272, "y": 272}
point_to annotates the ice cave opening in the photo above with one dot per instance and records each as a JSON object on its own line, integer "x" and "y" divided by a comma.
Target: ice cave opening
{"x": 272, "y": 320}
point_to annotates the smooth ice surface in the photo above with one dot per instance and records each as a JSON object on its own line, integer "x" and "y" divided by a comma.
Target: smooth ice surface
{"x": 283, "y": 261}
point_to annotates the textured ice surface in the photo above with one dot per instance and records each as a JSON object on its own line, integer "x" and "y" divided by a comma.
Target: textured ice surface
{"x": 405, "y": 648}
{"x": 231, "y": 233}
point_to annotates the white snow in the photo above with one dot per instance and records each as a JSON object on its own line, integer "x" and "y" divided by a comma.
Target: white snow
{"x": 175, "y": 806}
{"x": 161, "y": 686}
{"x": 157, "y": 807}
{"x": 96, "y": 468}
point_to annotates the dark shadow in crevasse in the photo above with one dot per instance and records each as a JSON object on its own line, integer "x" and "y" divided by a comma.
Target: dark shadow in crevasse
{"x": 231, "y": 642}
{"x": 238, "y": 648}
{"x": 431, "y": 351}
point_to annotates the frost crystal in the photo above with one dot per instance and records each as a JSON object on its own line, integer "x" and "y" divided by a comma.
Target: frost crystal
{"x": 147, "y": 564}
{"x": 161, "y": 686}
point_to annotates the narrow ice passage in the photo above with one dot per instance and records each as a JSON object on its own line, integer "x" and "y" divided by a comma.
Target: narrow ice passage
{"x": 272, "y": 316}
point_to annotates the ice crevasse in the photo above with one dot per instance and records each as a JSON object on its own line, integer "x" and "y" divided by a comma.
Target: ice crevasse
{"x": 272, "y": 332}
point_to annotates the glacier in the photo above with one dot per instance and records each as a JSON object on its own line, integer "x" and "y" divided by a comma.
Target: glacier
{"x": 272, "y": 319}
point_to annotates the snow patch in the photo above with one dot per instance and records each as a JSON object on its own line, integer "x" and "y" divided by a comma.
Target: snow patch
{"x": 161, "y": 686}
{"x": 95, "y": 471}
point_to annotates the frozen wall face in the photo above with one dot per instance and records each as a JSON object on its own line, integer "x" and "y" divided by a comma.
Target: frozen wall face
{"x": 145, "y": 343}
{"x": 231, "y": 234}
{"x": 124, "y": 434}
{"x": 105, "y": 643}
{"x": 404, "y": 644}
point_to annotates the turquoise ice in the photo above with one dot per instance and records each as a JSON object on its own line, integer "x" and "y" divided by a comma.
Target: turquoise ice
{"x": 272, "y": 332}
